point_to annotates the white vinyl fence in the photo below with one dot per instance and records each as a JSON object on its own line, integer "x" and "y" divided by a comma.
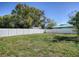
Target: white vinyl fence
{"x": 13, "y": 32}
{"x": 61, "y": 31}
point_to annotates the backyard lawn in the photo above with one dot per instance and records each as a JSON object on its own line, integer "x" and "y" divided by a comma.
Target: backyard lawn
{"x": 38, "y": 45}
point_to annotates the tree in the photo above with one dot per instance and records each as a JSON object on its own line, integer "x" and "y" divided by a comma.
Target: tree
{"x": 29, "y": 16}
{"x": 50, "y": 24}
{"x": 24, "y": 16}
{"x": 5, "y": 21}
{"x": 1, "y": 23}
{"x": 75, "y": 22}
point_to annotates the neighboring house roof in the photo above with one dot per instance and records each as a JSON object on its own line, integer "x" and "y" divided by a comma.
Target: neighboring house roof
{"x": 64, "y": 26}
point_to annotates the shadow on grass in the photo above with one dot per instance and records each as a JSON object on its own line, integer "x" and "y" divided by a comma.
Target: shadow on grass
{"x": 65, "y": 38}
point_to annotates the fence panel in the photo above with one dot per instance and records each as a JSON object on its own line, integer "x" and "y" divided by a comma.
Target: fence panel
{"x": 12, "y": 32}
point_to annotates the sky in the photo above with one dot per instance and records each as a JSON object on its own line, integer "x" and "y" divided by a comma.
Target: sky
{"x": 57, "y": 11}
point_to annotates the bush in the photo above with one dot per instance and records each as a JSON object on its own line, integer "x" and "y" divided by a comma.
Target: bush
{"x": 66, "y": 38}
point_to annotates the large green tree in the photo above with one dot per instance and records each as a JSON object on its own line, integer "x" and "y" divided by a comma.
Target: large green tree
{"x": 24, "y": 16}
{"x": 5, "y": 21}
{"x": 29, "y": 16}
{"x": 75, "y": 22}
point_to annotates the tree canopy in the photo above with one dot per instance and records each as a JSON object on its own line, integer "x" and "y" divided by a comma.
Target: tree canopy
{"x": 75, "y": 22}
{"x": 24, "y": 16}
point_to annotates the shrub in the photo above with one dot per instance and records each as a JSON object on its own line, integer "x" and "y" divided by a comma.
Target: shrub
{"x": 66, "y": 38}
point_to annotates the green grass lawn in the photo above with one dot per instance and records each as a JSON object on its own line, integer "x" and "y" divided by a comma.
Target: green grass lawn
{"x": 37, "y": 45}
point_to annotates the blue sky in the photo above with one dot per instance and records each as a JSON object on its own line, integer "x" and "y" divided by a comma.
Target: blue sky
{"x": 58, "y": 11}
